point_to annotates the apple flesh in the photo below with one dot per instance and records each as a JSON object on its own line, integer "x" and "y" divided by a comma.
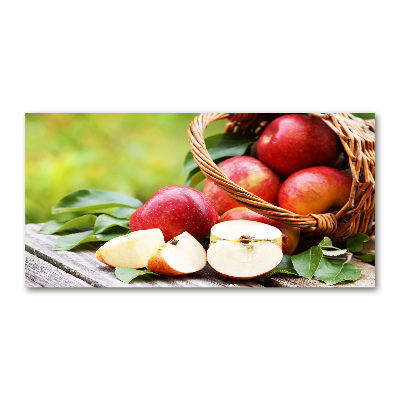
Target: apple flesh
{"x": 315, "y": 190}
{"x": 131, "y": 251}
{"x": 249, "y": 173}
{"x": 244, "y": 249}
{"x": 180, "y": 256}
{"x": 294, "y": 142}
{"x": 176, "y": 209}
{"x": 290, "y": 235}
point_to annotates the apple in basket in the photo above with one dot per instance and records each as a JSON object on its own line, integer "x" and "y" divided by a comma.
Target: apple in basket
{"x": 294, "y": 142}
{"x": 290, "y": 235}
{"x": 176, "y": 209}
{"x": 249, "y": 173}
{"x": 315, "y": 190}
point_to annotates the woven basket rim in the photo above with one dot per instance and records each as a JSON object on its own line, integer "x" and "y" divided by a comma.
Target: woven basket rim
{"x": 358, "y": 139}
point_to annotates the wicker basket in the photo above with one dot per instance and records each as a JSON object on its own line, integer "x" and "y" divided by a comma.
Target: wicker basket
{"x": 358, "y": 139}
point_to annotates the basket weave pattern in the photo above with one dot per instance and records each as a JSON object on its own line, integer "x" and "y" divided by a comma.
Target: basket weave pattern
{"x": 358, "y": 139}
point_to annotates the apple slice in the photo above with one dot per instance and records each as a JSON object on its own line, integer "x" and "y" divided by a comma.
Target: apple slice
{"x": 244, "y": 249}
{"x": 132, "y": 250}
{"x": 181, "y": 255}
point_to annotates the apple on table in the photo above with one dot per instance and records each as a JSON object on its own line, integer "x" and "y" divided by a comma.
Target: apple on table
{"x": 290, "y": 235}
{"x": 146, "y": 249}
{"x": 242, "y": 249}
{"x": 176, "y": 209}
{"x": 180, "y": 256}
{"x": 131, "y": 251}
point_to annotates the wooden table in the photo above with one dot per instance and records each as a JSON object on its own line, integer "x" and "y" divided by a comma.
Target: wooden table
{"x": 45, "y": 267}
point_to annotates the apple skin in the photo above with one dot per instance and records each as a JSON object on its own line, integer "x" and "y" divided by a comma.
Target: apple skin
{"x": 158, "y": 265}
{"x": 240, "y": 278}
{"x": 249, "y": 173}
{"x": 290, "y": 235}
{"x": 101, "y": 259}
{"x": 315, "y": 190}
{"x": 294, "y": 142}
{"x": 176, "y": 209}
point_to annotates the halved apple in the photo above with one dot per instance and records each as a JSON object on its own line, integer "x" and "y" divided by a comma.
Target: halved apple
{"x": 132, "y": 250}
{"x": 181, "y": 255}
{"x": 244, "y": 249}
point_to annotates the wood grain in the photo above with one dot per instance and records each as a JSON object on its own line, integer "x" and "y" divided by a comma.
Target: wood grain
{"x": 39, "y": 273}
{"x": 29, "y": 283}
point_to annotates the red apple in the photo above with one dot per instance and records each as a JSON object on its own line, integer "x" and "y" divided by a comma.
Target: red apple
{"x": 315, "y": 190}
{"x": 176, "y": 209}
{"x": 249, "y": 173}
{"x": 294, "y": 142}
{"x": 290, "y": 235}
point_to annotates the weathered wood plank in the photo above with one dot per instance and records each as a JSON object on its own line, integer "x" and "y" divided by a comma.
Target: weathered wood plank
{"x": 39, "y": 273}
{"x": 30, "y": 283}
{"x": 83, "y": 264}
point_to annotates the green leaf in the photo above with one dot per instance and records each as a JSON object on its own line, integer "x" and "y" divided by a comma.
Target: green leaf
{"x": 221, "y": 145}
{"x": 355, "y": 243}
{"x": 123, "y": 212}
{"x": 93, "y": 200}
{"x": 334, "y": 271}
{"x": 366, "y": 257}
{"x": 326, "y": 242}
{"x": 189, "y": 164}
{"x": 191, "y": 174}
{"x": 365, "y": 115}
{"x": 285, "y": 267}
{"x": 194, "y": 178}
{"x": 335, "y": 252}
{"x": 328, "y": 249}
{"x": 306, "y": 263}
{"x": 105, "y": 221}
{"x": 128, "y": 274}
{"x": 68, "y": 242}
{"x": 56, "y": 226}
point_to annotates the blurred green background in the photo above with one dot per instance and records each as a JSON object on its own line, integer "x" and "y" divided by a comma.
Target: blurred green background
{"x": 134, "y": 154}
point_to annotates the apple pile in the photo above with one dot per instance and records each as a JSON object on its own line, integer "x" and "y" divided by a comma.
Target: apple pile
{"x": 166, "y": 235}
{"x": 296, "y": 167}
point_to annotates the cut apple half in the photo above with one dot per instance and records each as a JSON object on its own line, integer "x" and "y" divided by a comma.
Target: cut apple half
{"x": 181, "y": 255}
{"x": 131, "y": 251}
{"x": 244, "y": 249}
